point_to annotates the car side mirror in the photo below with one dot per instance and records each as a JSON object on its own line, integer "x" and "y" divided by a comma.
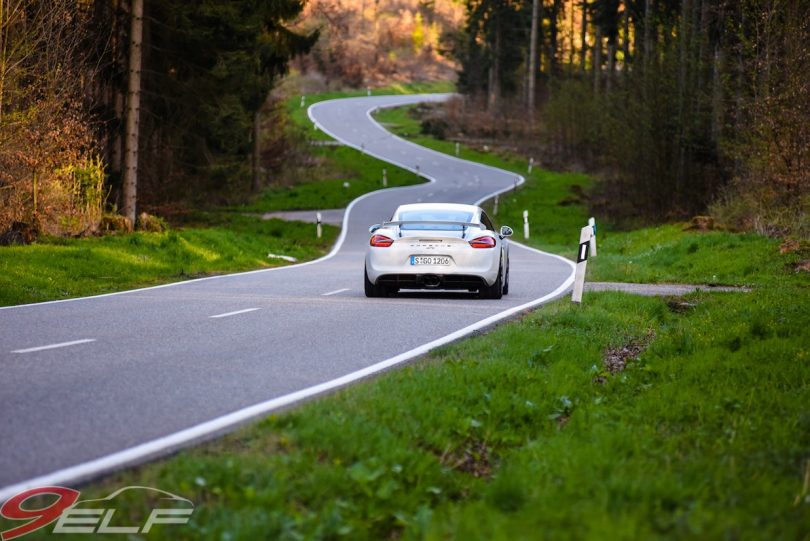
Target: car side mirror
{"x": 506, "y": 231}
{"x": 374, "y": 228}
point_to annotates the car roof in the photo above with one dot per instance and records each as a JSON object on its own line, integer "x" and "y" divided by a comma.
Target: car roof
{"x": 456, "y": 207}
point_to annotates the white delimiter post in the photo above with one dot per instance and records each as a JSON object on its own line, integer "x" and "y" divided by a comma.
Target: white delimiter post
{"x": 495, "y": 207}
{"x": 320, "y": 229}
{"x": 385, "y": 178}
{"x": 582, "y": 260}
{"x": 526, "y": 224}
{"x": 592, "y": 223}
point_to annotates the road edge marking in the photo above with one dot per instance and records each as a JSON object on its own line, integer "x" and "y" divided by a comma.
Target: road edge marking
{"x": 137, "y": 453}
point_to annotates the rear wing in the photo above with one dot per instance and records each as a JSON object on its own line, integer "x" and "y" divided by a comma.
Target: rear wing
{"x": 399, "y": 223}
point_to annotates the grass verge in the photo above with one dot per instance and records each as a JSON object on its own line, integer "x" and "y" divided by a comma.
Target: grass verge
{"x": 526, "y": 433}
{"x": 57, "y": 268}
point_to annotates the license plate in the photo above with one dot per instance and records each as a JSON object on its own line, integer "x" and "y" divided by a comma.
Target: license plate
{"x": 429, "y": 260}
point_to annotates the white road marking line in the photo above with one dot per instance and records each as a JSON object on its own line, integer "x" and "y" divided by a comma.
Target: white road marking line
{"x": 54, "y": 346}
{"x": 335, "y": 292}
{"x": 235, "y": 313}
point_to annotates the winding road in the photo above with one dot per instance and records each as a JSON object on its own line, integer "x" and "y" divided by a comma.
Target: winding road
{"x": 93, "y": 384}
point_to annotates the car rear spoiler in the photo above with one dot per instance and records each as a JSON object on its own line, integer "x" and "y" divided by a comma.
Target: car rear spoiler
{"x": 399, "y": 223}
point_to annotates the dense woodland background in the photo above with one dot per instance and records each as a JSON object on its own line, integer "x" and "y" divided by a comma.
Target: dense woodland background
{"x": 680, "y": 107}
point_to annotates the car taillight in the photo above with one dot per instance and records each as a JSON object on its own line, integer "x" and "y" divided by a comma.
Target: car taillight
{"x": 483, "y": 242}
{"x": 381, "y": 241}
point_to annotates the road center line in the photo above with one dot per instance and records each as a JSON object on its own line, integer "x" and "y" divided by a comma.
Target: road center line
{"x": 335, "y": 292}
{"x": 227, "y": 314}
{"x": 54, "y": 346}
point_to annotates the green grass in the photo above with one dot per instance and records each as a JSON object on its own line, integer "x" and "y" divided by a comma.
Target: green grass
{"x": 512, "y": 435}
{"x": 56, "y": 268}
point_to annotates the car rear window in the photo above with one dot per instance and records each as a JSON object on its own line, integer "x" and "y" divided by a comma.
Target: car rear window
{"x": 436, "y": 216}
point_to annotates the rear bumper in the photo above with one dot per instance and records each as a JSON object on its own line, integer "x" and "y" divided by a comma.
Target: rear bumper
{"x": 469, "y": 269}
{"x": 432, "y": 281}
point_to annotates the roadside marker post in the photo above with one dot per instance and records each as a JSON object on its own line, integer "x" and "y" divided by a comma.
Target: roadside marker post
{"x": 526, "y": 224}
{"x": 585, "y": 235}
{"x": 418, "y": 172}
{"x": 495, "y": 207}
{"x": 458, "y": 147}
{"x": 592, "y": 223}
{"x": 385, "y": 178}
{"x": 368, "y": 91}
{"x": 531, "y": 164}
{"x": 318, "y": 222}
{"x": 303, "y": 100}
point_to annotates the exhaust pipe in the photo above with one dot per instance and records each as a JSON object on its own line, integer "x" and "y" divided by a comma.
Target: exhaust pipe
{"x": 431, "y": 280}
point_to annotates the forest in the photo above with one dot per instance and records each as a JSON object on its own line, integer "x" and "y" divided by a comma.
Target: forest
{"x": 679, "y": 107}
{"x": 682, "y": 106}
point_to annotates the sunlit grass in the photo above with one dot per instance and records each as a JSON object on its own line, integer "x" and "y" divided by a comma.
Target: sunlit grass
{"x": 61, "y": 268}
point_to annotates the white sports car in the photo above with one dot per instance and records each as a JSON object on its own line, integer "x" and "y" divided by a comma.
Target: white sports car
{"x": 438, "y": 246}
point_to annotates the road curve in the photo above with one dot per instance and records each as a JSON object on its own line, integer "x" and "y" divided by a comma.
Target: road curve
{"x": 93, "y": 384}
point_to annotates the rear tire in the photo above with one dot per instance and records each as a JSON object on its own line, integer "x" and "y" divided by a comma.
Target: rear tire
{"x": 373, "y": 290}
{"x": 495, "y": 291}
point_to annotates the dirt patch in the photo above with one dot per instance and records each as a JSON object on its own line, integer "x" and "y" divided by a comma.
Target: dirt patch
{"x": 701, "y": 223}
{"x": 679, "y": 306}
{"x": 475, "y": 459}
{"x": 615, "y": 360}
{"x": 803, "y": 266}
{"x": 790, "y": 246}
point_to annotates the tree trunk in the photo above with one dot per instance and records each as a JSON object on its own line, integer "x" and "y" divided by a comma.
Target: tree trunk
{"x": 255, "y": 182}
{"x": 626, "y": 38}
{"x": 552, "y": 38}
{"x": 533, "y": 58}
{"x": 133, "y": 112}
{"x": 583, "y": 37}
{"x": 717, "y": 95}
{"x": 611, "y": 64}
{"x": 3, "y": 49}
{"x": 597, "y": 59}
{"x": 494, "y": 71}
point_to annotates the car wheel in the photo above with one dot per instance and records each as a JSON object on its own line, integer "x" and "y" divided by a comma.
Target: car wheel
{"x": 495, "y": 291}
{"x": 373, "y": 290}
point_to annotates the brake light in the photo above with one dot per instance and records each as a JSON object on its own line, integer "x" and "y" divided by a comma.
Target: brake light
{"x": 381, "y": 241}
{"x": 483, "y": 242}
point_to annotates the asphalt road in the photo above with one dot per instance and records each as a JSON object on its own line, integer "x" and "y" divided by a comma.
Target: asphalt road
{"x": 143, "y": 372}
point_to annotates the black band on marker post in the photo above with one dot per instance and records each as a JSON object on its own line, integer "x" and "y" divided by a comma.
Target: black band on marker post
{"x": 584, "y": 249}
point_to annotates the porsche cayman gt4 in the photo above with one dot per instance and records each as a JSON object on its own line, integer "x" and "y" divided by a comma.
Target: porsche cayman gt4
{"x": 438, "y": 246}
